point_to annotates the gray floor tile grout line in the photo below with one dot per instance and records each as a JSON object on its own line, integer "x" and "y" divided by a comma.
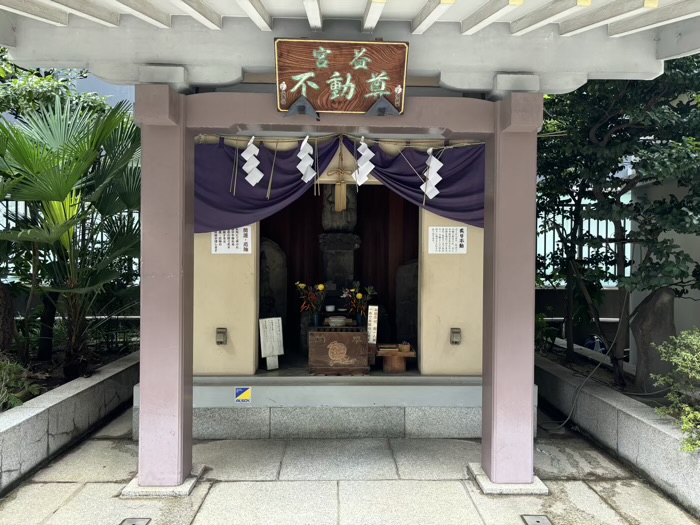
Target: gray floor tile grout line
{"x": 337, "y": 501}
{"x": 64, "y": 503}
{"x": 405, "y": 434}
{"x": 284, "y": 453}
{"x": 607, "y": 504}
{"x": 393, "y": 457}
{"x": 469, "y": 497}
{"x": 201, "y": 503}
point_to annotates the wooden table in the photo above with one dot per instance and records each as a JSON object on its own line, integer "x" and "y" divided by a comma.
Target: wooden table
{"x": 395, "y": 360}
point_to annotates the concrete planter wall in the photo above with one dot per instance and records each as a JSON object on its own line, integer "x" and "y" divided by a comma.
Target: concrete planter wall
{"x": 629, "y": 429}
{"x": 42, "y": 427}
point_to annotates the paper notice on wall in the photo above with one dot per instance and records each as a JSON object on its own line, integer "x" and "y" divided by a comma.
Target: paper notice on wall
{"x": 447, "y": 239}
{"x": 372, "y": 322}
{"x": 238, "y": 240}
{"x": 271, "y": 337}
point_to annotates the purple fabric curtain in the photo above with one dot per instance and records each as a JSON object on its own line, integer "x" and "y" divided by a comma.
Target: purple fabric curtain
{"x": 461, "y": 196}
{"x": 215, "y": 206}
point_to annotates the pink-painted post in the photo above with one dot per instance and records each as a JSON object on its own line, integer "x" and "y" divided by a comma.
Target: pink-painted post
{"x": 167, "y": 259}
{"x": 509, "y": 290}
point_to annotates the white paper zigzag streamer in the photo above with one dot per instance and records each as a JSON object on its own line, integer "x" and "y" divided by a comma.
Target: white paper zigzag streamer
{"x": 432, "y": 176}
{"x": 251, "y": 166}
{"x": 306, "y": 161}
{"x": 364, "y": 166}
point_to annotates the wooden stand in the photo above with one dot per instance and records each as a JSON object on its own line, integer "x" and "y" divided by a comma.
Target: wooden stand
{"x": 395, "y": 361}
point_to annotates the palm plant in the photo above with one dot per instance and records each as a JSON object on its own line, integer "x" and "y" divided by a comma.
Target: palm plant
{"x": 78, "y": 172}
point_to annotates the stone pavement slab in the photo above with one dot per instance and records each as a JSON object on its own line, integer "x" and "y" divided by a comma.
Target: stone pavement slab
{"x": 640, "y": 504}
{"x": 569, "y": 503}
{"x": 240, "y": 460}
{"x": 32, "y": 503}
{"x": 406, "y": 502}
{"x": 118, "y": 428}
{"x": 94, "y": 461}
{"x": 575, "y": 459}
{"x": 336, "y": 459}
{"x": 270, "y": 503}
{"x": 434, "y": 458}
{"x": 99, "y": 504}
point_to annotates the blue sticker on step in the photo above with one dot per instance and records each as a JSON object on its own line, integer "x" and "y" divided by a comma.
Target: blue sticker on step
{"x": 243, "y": 394}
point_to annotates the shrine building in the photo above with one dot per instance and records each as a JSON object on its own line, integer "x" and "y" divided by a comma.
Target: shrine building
{"x": 360, "y": 176}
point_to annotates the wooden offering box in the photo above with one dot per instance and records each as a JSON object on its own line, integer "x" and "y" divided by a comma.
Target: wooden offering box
{"x": 338, "y": 351}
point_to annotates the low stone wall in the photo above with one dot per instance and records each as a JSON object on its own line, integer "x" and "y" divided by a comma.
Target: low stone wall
{"x": 42, "y": 427}
{"x": 631, "y": 430}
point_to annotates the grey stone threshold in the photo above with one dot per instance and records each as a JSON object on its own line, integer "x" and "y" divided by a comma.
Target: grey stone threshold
{"x": 283, "y": 392}
{"x": 43, "y": 427}
{"x": 336, "y": 407}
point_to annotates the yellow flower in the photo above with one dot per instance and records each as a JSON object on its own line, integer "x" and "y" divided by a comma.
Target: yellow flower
{"x": 352, "y": 289}
{"x": 302, "y": 285}
{"x": 321, "y": 287}
{"x": 359, "y": 296}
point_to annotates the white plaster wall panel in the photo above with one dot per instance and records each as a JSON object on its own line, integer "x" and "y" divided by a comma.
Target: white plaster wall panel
{"x": 450, "y": 296}
{"x": 225, "y": 296}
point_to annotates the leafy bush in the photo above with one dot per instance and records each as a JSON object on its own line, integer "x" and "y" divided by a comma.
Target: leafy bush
{"x": 544, "y": 334}
{"x": 683, "y": 352}
{"x": 15, "y": 385}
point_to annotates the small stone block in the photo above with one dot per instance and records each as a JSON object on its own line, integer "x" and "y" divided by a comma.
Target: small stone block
{"x": 136, "y": 521}
{"x": 536, "y": 520}
{"x": 489, "y": 487}
{"x": 134, "y": 490}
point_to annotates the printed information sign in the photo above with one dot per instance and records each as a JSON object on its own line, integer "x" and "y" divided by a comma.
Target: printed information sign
{"x": 238, "y": 240}
{"x": 447, "y": 240}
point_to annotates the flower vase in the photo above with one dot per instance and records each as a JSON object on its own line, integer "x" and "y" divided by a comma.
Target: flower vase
{"x": 315, "y": 319}
{"x": 360, "y": 320}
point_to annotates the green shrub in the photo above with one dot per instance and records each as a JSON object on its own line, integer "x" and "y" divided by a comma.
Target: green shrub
{"x": 15, "y": 385}
{"x": 544, "y": 334}
{"x": 683, "y": 352}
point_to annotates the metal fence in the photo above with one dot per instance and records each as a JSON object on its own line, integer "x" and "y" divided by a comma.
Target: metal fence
{"x": 548, "y": 242}
{"x": 10, "y": 209}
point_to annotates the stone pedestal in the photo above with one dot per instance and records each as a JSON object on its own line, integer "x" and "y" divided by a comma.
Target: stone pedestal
{"x": 338, "y": 252}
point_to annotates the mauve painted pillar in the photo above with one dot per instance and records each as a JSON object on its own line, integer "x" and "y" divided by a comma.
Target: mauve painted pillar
{"x": 167, "y": 259}
{"x": 509, "y": 290}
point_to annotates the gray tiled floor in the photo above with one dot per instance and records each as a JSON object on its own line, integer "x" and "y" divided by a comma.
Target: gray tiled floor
{"x": 337, "y": 481}
{"x": 406, "y": 503}
{"x": 336, "y": 459}
{"x": 435, "y": 458}
{"x": 244, "y": 460}
{"x": 283, "y": 502}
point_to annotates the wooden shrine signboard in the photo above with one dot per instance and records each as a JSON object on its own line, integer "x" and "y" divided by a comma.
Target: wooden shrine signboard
{"x": 340, "y": 77}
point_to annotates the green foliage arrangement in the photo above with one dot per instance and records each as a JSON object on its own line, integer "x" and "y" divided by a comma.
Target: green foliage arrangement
{"x": 683, "y": 352}
{"x": 77, "y": 169}
{"x": 15, "y": 385}
{"x": 23, "y": 90}
{"x": 652, "y": 128}
{"x": 544, "y": 334}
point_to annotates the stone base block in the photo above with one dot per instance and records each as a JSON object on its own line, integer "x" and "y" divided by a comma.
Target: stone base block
{"x": 536, "y": 488}
{"x": 134, "y": 490}
{"x": 332, "y": 422}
